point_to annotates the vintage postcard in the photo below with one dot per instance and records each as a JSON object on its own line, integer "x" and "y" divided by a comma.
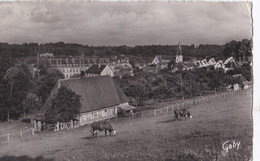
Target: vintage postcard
{"x": 135, "y": 80}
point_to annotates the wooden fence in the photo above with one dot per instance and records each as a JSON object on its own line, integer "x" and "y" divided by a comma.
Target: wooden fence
{"x": 183, "y": 104}
{"x": 142, "y": 114}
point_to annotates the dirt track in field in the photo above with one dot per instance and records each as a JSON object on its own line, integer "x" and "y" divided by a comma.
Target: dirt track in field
{"x": 150, "y": 138}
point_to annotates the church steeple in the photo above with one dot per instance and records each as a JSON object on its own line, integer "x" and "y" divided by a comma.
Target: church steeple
{"x": 179, "y": 57}
{"x": 179, "y": 50}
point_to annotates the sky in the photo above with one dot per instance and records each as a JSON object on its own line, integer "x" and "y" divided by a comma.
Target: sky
{"x": 125, "y": 23}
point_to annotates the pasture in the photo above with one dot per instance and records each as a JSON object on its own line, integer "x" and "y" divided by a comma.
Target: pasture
{"x": 150, "y": 138}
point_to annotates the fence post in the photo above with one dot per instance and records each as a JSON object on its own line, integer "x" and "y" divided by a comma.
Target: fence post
{"x": 8, "y": 137}
{"x": 21, "y": 134}
{"x": 155, "y": 112}
{"x": 32, "y": 131}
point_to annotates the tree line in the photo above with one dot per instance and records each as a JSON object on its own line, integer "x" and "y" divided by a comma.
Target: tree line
{"x": 233, "y": 48}
{"x": 165, "y": 84}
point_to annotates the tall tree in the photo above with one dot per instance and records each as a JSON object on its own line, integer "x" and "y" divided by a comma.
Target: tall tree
{"x": 6, "y": 61}
{"x": 14, "y": 86}
{"x": 48, "y": 81}
{"x": 31, "y": 103}
{"x": 65, "y": 106}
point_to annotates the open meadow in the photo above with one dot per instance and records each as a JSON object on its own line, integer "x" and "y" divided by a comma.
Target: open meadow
{"x": 221, "y": 129}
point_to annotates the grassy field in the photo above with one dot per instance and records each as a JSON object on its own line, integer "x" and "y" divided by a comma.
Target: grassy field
{"x": 150, "y": 138}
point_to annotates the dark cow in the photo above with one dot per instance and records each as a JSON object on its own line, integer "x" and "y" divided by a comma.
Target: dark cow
{"x": 182, "y": 113}
{"x": 101, "y": 126}
{"x": 177, "y": 115}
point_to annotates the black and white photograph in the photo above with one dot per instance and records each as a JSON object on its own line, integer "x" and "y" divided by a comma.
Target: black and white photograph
{"x": 127, "y": 81}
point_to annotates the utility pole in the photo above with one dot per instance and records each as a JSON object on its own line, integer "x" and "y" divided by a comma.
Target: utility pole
{"x": 181, "y": 86}
{"x": 8, "y": 110}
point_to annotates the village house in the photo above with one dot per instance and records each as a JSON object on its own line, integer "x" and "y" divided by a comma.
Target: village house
{"x": 101, "y": 97}
{"x": 122, "y": 67}
{"x": 179, "y": 67}
{"x": 219, "y": 65}
{"x": 162, "y": 59}
{"x": 204, "y": 63}
{"x": 99, "y": 70}
{"x": 151, "y": 68}
{"x": 230, "y": 64}
{"x": 189, "y": 65}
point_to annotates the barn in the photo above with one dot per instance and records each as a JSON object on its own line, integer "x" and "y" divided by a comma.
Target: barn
{"x": 101, "y": 97}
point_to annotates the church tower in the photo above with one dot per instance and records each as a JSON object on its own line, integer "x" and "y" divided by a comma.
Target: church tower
{"x": 179, "y": 57}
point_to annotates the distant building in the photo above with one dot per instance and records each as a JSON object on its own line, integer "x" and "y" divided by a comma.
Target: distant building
{"x": 212, "y": 61}
{"x": 43, "y": 59}
{"x": 99, "y": 70}
{"x": 189, "y": 65}
{"x": 122, "y": 67}
{"x": 219, "y": 65}
{"x": 179, "y": 67}
{"x": 204, "y": 63}
{"x": 162, "y": 59}
{"x": 70, "y": 66}
{"x": 151, "y": 68}
{"x": 179, "y": 57}
{"x": 100, "y": 97}
{"x": 120, "y": 70}
{"x": 230, "y": 64}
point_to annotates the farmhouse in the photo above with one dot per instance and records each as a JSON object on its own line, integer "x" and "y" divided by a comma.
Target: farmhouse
{"x": 100, "y": 97}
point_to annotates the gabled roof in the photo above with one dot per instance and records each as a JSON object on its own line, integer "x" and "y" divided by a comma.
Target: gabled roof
{"x": 166, "y": 57}
{"x": 190, "y": 64}
{"x": 96, "y": 92}
{"x": 180, "y": 66}
{"x": 96, "y": 69}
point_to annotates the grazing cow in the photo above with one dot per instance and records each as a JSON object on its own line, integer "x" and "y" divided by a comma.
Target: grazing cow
{"x": 101, "y": 126}
{"x": 182, "y": 113}
{"x": 185, "y": 113}
{"x": 177, "y": 115}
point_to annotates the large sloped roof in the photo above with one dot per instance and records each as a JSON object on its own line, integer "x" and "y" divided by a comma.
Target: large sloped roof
{"x": 95, "y": 69}
{"x": 96, "y": 92}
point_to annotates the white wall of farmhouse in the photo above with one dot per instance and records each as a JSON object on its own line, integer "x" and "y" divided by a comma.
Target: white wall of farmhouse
{"x": 89, "y": 117}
